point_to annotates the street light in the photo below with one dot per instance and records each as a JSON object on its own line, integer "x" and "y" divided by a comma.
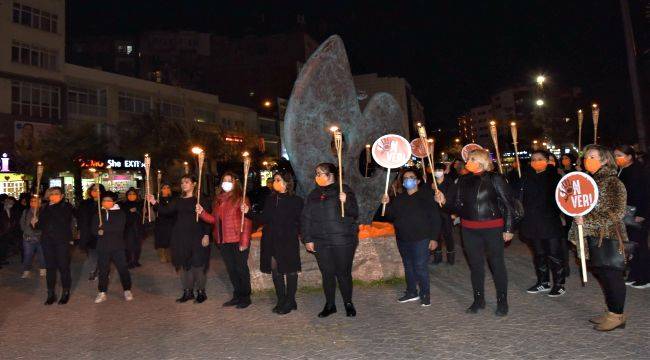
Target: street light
{"x": 456, "y": 140}
{"x": 539, "y": 102}
{"x": 267, "y": 103}
{"x": 540, "y": 79}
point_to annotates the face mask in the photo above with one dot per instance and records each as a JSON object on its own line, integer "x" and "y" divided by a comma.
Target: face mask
{"x": 166, "y": 192}
{"x": 592, "y": 165}
{"x": 621, "y": 161}
{"x": 539, "y": 165}
{"x": 473, "y": 167}
{"x": 279, "y": 187}
{"x": 55, "y": 198}
{"x": 438, "y": 174}
{"x": 321, "y": 180}
{"x": 566, "y": 162}
{"x": 410, "y": 184}
{"x": 108, "y": 204}
{"x": 94, "y": 194}
{"x": 132, "y": 197}
{"x": 226, "y": 186}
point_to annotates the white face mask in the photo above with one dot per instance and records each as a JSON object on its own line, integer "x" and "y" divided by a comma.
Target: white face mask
{"x": 226, "y": 186}
{"x": 438, "y": 174}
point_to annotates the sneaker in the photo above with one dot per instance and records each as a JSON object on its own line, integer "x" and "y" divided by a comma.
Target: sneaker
{"x": 425, "y": 301}
{"x": 408, "y": 298}
{"x": 539, "y": 288}
{"x": 128, "y": 295}
{"x": 640, "y": 285}
{"x": 629, "y": 282}
{"x": 26, "y": 275}
{"x": 557, "y": 291}
{"x": 101, "y": 297}
{"x": 42, "y": 272}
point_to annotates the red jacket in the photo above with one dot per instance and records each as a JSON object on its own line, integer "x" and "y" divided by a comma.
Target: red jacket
{"x": 228, "y": 214}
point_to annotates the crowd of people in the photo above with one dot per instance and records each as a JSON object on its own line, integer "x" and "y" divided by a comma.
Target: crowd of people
{"x": 487, "y": 207}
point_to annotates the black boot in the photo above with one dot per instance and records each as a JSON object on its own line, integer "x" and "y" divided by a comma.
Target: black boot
{"x": 350, "y": 311}
{"x": 451, "y": 257}
{"x": 327, "y": 311}
{"x": 51, "y": 297}
{"x": 65, "y": 297}
{"x": 502, "y": 305}
{"x": 280, "y": 290}
{"x": 200, "y": 296}
{"x": 478, "y": 304}
{"x": 437, "y": 256}
{"x": 292, "y": 287}
{"x": 188, "y": 294}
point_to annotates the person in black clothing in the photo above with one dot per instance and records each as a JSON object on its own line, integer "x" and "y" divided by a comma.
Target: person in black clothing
{"x": 134, "y": 231}
{"x": 164, "y": 226}
{"x": 280, "y": 246}
{"x": 9, "y": 222}
{"x": 483, "y": 201}
{"x": 567, "y": 162}
{"x": 190, "y": 241}
{"x": 110, "y": 246}
{"x": 331, "y": 237}
{"x": 416, "y": 217}
{"x": 55, "y": 223}
{"x": 635, "y": 179}
{"x": 446, "y": 230}
{"x": 86, "y": 211}
{"x": 541, "y": 225}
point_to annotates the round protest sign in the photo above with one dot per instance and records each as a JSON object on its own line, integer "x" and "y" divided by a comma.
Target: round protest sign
{"x": 391, "y": 151}
{"x": 464, "y": 153}
{"x": 576, "y": 194}
{"x": 419, "y": 149}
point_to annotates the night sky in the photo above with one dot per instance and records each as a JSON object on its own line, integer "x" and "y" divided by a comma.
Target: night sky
{"x": 455, "y": 54}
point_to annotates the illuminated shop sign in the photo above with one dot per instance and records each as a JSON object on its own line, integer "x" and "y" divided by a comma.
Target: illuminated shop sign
{"x": 112, "y": 163}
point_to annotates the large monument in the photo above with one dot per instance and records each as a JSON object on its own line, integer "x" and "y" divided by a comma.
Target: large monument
{"x": 324, "y": 96}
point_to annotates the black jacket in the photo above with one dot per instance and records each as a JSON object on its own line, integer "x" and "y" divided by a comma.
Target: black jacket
{"x": 416, "y": 217}
{"x": 541, "y": 215}
{"x": 482, "y": 197}
{"x": 113, "y": 223}
{"x": 636, "y": 184}
{"x": 164, "y": 226}
{"x": 85, "y": 213}
{"x": 281, "y": 220}
{"x": 55, "y": 222}
{"x": 134, "y": 228}
{"x": 321, "y": 221}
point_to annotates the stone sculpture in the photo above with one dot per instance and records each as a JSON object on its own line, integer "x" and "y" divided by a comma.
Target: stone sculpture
{"x": 323, "y": 96}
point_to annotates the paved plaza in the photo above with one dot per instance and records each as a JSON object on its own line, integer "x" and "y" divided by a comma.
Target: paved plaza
{"x": 153, "y": 326}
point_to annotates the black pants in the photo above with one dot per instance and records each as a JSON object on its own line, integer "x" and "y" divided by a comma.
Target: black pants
{"x": 118, "y": 258}
{"x": 133, "y": 249}
{"x": 478, "y": 243}
{"x": 640, "y": 264}
{"x": 57, "y": 258}
{"x": 237, "y": 267}
{"x": 335, "y": 264}
{"x": 613, "y": 285}
{"x": 446, "y": 234}
{"x": 548, "y": 254}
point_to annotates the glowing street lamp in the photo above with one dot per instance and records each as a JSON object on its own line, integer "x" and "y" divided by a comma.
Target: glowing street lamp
{"x": 540, "y": 79}
{"x": 267, "y": 103}
{"x": 539, "y": 102}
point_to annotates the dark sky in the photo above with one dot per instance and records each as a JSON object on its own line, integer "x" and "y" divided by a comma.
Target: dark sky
{"x": 453, "y": 53}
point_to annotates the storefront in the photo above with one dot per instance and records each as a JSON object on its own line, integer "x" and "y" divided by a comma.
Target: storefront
{"x": 116, "y": 174}
{"x": 12, "y": 183}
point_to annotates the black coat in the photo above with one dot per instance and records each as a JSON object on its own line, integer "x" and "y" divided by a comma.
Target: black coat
{"x": 134, "y": 229}
{"x": 636, "y": 184}
{"x": 482, "y": 197}
{"x": 113, "y": 223}
{"x": 281, "y": 220}
{"x": 55, "y": 223}
{"x": 321, "y": 221}
{"x": 541, "y": 215}
{"x": 85, "y": 213}
{"x": 164, "y": 226}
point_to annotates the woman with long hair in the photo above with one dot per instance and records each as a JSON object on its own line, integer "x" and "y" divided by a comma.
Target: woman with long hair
{"x": 635, "y": 179}
{"x": 605, "y": 221}
{"x": 331, "y": 237}
{"x": 280, "y": 246}
{"x": 190, "y": 240}
{"x": 233, "y": 243}
{"x": 483, "y": 201}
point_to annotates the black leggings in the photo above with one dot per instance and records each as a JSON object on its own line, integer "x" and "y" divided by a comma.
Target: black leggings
{"x": 335, "y": 264}
{"x": 478, "y": 242}
{"x": 613, "y": 285}
{"x": 57, "y": 258}
{"x": 237, "y": 267}
{"x": 194, "y": 278}
{"x": 104, "y": 259}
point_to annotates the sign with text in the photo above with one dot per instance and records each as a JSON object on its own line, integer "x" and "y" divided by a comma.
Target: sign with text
{"x": 576, "y": 194}
{"x": 391, "y": 151}
{"x": 418, "y": 148}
